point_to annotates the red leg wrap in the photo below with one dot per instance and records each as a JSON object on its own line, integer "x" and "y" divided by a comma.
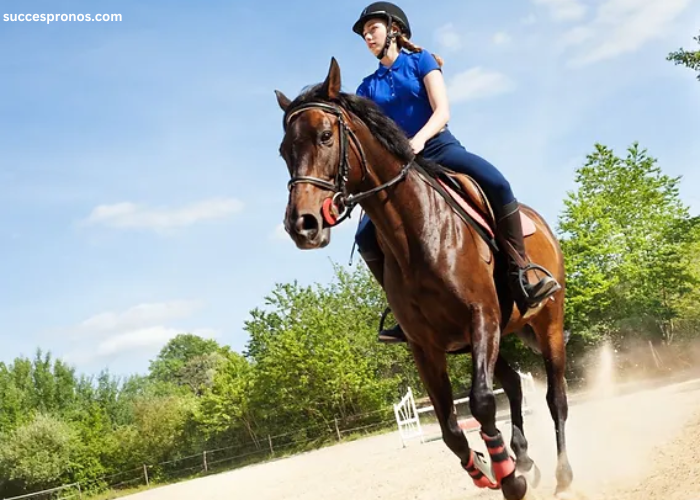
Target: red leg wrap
{"x": 479, "y": 478}
{"x": 502, "y": 463}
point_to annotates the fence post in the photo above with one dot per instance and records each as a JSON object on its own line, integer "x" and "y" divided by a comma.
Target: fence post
{"x": 337, "y": 430}
{"x": 145, "y": 473}
{"x": 269, "y": 440}
{"x": 204, "y": 460}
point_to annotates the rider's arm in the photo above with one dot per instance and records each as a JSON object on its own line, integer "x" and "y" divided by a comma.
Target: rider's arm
{"x": 437, "y": 93}
{"x": 431, "y": 73}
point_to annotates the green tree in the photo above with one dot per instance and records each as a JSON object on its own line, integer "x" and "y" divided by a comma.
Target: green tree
{"x": 171, "y": 364}
{"x": 316, "y": 357}
{"x": 39, "y": 454}
{"x": 689, "y": 59}
{"x": 158, "y": 432}
{"x": 225, "y": 408}
{"x": 627, "y": 245}
{"x": 32, "y": 386}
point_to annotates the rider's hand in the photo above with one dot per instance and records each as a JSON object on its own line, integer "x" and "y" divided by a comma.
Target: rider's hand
{"x": 417, "y": 144}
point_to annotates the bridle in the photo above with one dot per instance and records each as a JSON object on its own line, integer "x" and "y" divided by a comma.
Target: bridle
{"x": 338, "y": 207}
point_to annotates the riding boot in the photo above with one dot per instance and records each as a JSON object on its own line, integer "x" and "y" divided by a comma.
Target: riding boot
{"x": 526, "y": 294}
{"x": 386, "y": 335}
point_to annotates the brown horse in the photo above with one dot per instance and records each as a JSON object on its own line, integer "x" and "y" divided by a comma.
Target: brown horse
{"x": 445, "y": 284}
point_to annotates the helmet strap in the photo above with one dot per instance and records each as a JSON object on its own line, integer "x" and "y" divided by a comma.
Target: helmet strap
{"x": 390, "y": 35}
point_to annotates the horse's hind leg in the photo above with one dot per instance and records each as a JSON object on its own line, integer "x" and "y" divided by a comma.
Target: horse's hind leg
{"x": 512, "y": 386}
{"x": 432, "y": 368}
{"x": 550, "y": 331}
{"x": 485, "y": 336}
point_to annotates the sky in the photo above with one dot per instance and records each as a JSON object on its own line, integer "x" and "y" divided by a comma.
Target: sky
{"x": 141, "y": 188}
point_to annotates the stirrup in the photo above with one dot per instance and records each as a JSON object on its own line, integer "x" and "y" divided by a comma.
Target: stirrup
{"x": 523, "y": 282}
{"x": 392, "y": 335}
{"x": 381, "y": 321}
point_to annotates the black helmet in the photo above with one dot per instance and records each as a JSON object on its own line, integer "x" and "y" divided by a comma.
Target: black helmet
{"x": 386, "y": 10}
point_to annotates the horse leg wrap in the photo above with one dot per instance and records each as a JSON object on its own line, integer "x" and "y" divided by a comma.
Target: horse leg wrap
{"x": 502, "y": 463}
{"x": 478, "y": 470}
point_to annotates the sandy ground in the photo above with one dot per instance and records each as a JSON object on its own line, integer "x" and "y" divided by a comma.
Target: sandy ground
{"x": 640, "y": 445}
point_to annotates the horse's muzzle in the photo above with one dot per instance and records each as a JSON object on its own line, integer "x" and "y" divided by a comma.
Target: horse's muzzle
{"x": 308, "y": 231}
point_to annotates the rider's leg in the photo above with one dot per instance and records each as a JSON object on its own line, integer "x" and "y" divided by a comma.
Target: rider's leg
{"x": 447, "y": 150}
{"x": 367, "y": 247}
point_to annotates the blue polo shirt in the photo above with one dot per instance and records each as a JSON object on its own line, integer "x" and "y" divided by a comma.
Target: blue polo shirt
{"x": 399, "y": 89}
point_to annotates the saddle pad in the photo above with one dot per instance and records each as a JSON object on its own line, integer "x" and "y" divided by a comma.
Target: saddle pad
{"x": 529, "y": 227}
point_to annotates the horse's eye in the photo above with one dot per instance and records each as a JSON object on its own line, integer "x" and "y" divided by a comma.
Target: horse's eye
{"x": 326, "y": 136}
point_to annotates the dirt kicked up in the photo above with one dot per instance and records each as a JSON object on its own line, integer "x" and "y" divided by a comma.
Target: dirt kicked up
{"x": 639, "y": 445}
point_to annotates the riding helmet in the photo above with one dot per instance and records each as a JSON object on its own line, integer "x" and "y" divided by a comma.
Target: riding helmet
{"x": 385, "y": 10}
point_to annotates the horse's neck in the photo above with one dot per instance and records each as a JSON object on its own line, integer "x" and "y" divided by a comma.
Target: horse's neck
{"x": 397, "y": 212}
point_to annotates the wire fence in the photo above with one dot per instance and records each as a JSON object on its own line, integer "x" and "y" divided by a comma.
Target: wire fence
{"x": 65, "y": 492}
{"x": 224, "y": 458}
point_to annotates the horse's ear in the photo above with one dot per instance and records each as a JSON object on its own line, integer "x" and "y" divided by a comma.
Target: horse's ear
{"x": 331, "y": 87}
{"x": 282, "y": 100}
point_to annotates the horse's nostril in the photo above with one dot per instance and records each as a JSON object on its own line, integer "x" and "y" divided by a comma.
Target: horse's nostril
{"x": 307, "y": 225}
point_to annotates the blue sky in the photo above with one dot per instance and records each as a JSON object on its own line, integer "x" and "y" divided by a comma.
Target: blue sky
{"x": 141, "y": 191}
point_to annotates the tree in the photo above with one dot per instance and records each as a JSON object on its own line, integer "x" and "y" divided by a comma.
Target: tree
{"x": 32, "y": 386}
{"x": 225, "y": 408}
{"x": 627, "y": 245}
{"x": 39, "y": 454}
{"x": 171, "y": 364}
{"x": 158, "y": 432}
{"x": 315, "y": 354}
{"x": 689, "y": 59}
{"x": 199, "y": 372}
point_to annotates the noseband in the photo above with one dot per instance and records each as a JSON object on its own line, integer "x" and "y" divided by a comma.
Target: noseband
{"x": 338, "y": 207}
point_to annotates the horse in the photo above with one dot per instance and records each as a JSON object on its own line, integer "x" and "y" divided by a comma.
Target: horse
{"x": 443, "y": 278}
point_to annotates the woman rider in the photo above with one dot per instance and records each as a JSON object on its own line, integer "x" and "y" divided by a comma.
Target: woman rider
{"x": 409, "y": 87}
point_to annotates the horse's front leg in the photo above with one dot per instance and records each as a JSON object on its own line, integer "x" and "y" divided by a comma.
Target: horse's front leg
{"x": 485, "y": 336}
{"x": 432, "y": 368}
{"x": 512, "y": 386}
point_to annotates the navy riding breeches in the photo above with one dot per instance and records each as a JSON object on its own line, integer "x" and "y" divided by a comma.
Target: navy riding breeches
{"x": 446, "y": 150}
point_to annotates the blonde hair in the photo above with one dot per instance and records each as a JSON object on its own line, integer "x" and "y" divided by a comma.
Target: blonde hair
{"x": 404, "y": 43}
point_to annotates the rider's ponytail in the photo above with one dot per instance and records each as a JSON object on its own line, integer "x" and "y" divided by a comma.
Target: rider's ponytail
{"x": 405, "y": 43}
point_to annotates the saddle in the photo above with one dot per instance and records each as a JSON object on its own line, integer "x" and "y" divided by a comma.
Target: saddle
{"x": 471, "y": 198}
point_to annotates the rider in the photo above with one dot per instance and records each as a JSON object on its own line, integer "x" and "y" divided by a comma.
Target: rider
{"x": 408, "y": 86}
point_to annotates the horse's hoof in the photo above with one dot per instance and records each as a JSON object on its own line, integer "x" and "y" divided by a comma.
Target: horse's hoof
{"x": 533, "y": 476}
{"x": 514, "y": 487}
{"x": 531, "y": 494}
{"x": 568, "y": 494}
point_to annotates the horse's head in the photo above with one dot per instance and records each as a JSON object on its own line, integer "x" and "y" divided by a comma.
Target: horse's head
{"x": 315, "y": 148}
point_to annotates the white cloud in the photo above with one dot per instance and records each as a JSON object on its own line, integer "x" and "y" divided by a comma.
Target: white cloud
{"x": 144, "y": 338}
{"x": 563, "y": 10}
{"x": 501, "y": 38}
{"x": 623, "y": 26}
{"x": 478, "y": 83}
{"x": 141, "y": 329}
{"x": 128, "y": 215}
{"x": 448, "y": 37}
{"x": 577, "y": 36}
{"x": 139, "y": 315}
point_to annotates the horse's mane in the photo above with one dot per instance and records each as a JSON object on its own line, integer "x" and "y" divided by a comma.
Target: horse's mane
{"x": 383, "y": 128}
